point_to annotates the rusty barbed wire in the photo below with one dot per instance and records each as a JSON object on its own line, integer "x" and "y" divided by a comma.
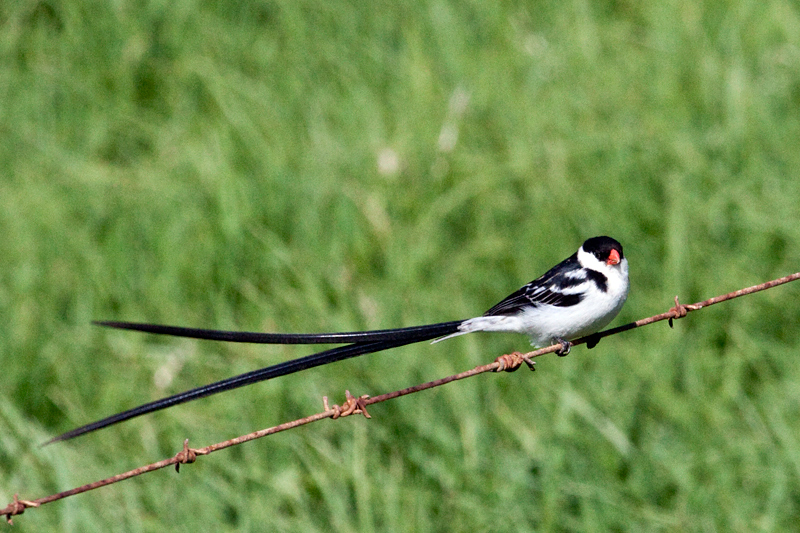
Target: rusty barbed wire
{"x": 358, "y": 405}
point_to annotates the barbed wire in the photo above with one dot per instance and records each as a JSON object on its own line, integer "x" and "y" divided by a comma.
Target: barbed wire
{"x": 358, "y": 405}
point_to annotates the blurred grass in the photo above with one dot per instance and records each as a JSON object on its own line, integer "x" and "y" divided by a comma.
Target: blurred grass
{"x": 297, "y": 166}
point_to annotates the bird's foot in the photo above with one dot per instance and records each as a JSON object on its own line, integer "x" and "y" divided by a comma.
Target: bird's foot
{"x": 592, "y": 341}
{"x": 566, "y": 346}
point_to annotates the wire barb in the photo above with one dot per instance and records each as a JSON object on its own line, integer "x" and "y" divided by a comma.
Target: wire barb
{"x": 680, "y": 311}
{"x": 16, "y": 507}
{"x": 186, "y": 456}
{"x": 512, "y": 361}
{"x": 351, "y": 406}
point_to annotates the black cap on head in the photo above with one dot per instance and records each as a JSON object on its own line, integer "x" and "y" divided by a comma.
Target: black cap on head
{"x": 601, "y": 247}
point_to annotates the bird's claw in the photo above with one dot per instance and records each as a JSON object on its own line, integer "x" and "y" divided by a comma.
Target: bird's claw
{"x": 592, "y": 341}
{"x": 566, "y": 346}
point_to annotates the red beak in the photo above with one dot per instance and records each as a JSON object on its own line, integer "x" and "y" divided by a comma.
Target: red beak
{"x": 613, "y": 258}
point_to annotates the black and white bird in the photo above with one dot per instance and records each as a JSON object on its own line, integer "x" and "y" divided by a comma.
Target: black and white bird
{"x": 577, "y": 297}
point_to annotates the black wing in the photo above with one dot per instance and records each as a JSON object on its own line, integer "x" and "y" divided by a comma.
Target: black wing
{"x": 547, "y": 289}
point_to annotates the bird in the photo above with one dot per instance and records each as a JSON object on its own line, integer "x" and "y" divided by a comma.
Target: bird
{"x": 575, "y": 298}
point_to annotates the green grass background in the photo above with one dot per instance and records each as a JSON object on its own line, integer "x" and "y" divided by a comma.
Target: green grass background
{"x": 327, "y": 166}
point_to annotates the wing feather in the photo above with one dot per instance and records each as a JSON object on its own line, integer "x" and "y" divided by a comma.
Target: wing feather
{"x": 557, "y": 287}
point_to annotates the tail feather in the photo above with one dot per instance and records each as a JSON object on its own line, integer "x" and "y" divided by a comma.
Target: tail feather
{"x": 394, "y": 339}
{"x": 399, "y": 334}
{"x": 456, "y": 334}
{"x": 484, "y": 323}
